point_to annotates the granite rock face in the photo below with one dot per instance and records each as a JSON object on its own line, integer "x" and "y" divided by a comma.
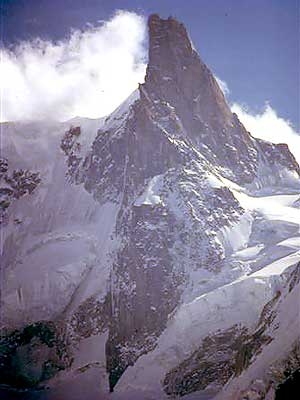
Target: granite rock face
{"x": 152, "y": 221}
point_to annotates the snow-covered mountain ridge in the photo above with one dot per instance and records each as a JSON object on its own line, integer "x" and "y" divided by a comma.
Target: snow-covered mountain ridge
{"x": 158, "y": 241}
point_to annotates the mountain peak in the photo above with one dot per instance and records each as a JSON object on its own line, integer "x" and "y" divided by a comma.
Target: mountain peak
{"x": 176, "y": 74}
{"x": 168, "y": 36}
{"x": 168, "y": 42}
{"x": 178, "y": 83}
{"x": 165, "y": 238}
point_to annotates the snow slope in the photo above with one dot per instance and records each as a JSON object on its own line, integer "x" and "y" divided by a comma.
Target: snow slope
{"x": 239, "y": 302}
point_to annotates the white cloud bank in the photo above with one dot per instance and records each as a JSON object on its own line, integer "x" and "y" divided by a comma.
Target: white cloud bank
{"x": 89, "y": 74}
{"x": 269, "y": 126}
{"x": 223, "y": 86}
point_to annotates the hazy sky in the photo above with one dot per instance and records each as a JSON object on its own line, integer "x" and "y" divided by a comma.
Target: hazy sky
{"x": 253, "y": 45}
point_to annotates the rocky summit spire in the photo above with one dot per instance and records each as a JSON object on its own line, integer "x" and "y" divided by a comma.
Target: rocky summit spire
{"x": 177, "y": 79}
{"x": 180, "y": 87}
{"x": 176, "y": 74}
{"x": 167, "y": 38}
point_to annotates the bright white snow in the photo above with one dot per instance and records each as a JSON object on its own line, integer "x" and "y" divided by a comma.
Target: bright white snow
{"x": 151, "y": 194}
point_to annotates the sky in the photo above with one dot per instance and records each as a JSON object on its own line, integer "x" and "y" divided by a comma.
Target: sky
{"x": 62, "y": 58}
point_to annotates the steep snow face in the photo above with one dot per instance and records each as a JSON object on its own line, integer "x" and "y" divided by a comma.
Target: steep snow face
{"x": 239, "y": 303}
{"x": 54, "y": 237}
{"x": 182, "y": 340}
{"x": 217, "y": 310}
{"x": 150, "y": 195}
{"x": 154, "y": 230}
{"x": 267, "y": 368}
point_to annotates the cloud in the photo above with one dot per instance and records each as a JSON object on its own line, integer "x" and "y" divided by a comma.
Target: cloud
{"x": 269, "y": 126}
{"x": 266, "y": 125}
{"x": 89, "y": 74}
{"x": 223, "y": 86}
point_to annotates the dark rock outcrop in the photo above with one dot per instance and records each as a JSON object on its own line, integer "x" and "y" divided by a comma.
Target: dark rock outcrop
{"x": 32, "y": 355}
{"x": 14, "y": 185}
